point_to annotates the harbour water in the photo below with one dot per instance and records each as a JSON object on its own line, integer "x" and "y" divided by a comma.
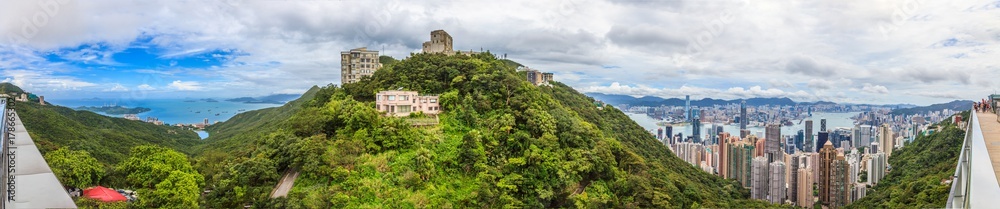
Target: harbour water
{"x": 833, "y": 120}
{"x": 174, "y": 111}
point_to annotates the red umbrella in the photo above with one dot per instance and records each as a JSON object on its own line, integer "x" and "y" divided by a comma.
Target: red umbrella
{"x": 103, "y": 194}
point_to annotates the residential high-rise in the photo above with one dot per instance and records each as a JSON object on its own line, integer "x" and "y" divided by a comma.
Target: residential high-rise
{"x": 805, "y": 188}
{"x": 724, "y": 142}
{"x": 840, "y": 187}
{"x": 659, "y": 133}
{"x": 776, "y": 189}
{"x": 827, "y": 155}
{"x": 773, "y": 144}
{"x": 876, "y": 167}
{"x": 358, "y": 63}
{"x": 809, "y": 145}
{"x": 743, "y": 115}
{"x": 690, "y": 152}
{"x": 760, "y": 179}
{"x": 793, "y": 182}
{"x": 859, "y": 191}
{"x": 741, "y": 162}
{"x": 886, "y": 140}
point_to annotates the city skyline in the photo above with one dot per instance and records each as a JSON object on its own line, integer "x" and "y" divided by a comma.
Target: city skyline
{"x": 917, "y": 52}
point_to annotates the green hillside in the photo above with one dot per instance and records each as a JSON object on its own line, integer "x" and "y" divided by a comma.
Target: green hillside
{"x": 245, "y": 127}
{"x": 501, "y": 142}
{"x": 917, "y": 171}
{"x": 106, "y": 138}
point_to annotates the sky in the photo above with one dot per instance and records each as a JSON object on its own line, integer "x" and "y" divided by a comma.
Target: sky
{"x": 850, "y": 51}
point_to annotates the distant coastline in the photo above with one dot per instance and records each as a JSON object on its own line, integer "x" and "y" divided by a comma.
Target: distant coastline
{"x": 270, "y": 99}
{"x": 115, "y": 110}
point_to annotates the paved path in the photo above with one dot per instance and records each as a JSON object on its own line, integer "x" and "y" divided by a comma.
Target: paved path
{"x": 285, "y": 184}
{"x": 991, "y": 135}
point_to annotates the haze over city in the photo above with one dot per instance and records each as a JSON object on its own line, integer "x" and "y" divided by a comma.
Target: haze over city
{"x": 881, "y": 52}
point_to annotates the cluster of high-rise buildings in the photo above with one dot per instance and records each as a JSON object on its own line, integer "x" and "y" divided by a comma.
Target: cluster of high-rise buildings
{"x": 840, "y": 163}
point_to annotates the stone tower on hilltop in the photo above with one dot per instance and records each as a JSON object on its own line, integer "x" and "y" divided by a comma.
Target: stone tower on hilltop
{"x": 440, "y": 43}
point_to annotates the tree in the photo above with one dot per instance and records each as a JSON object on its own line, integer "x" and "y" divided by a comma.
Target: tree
{"x": 178, "y": 190}
{"x": 148, "y": 165}
{"x": 75, "y": 168}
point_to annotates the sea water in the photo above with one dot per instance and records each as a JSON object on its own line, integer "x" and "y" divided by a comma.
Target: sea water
{"x": 174, "y": 111}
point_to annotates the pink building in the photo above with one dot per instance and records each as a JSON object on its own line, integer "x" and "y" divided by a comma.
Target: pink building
{"x": 402, "y": 103}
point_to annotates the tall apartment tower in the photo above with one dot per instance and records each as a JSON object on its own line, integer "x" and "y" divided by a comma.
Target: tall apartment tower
{"x": 776, "y": 181}
{"x": 760, "y": 185}
{"x": 805, "y": 188}
{"x": 840, "y": 187}
{"x": 876, "y": 167}
{"x": 358, "y": 63}
{"x": 724, "y": 155}
{"x": 773, "y": 143}
{"x": 440, "y": 42}
{"x": 827, "y": 155}
{"x": 793, "y": 181}
{"x": 885, "y": 139}
{"x": 743, "y": 115}
{"x": 810, "y": 146}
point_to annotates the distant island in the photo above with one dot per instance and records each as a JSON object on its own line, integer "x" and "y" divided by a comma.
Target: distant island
{"x": 115, "y": 110}
{"x": 270, "y": 99}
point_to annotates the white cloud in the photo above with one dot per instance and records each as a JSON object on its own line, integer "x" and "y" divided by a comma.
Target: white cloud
{"x": 43, "y": 80}
{"x": 117, "y": 88}
{"x": 790, "y": 47}
{"x": 874, "y": 89}
{"x": 145, "y": 87}
{"x": 185, "y": 85}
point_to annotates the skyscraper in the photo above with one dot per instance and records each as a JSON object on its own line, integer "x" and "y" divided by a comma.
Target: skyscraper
{"x": 668, "y": 131}
{"x": 659, "y": 133}
{"x": 724, "y": 155}
{"x": 885, "y": 139}
{"x": 805, "y": 188}
{"x": 822, "y": 124}
{"x": 799, "y": 140}
{"x": 823, "y": 137}
{"x": 840, "y": 187}
{"x": 687, "y": 107}
{"x": 876, "y": 167}
{"x": 809, "y": 145}
{"x": 696, "y": 125}
{"x": 827, "y": 155}
{"x": 743, "y": 114}
{"x": 793, "y": 182}
{"x": 776, "y": 189}
{"x": 760, "y": 177}
{"x": 773, "y": 142}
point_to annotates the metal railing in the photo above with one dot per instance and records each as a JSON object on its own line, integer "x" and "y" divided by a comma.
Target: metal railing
{"x": 975, "y": 182}
{"x": 958, "y": 197}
